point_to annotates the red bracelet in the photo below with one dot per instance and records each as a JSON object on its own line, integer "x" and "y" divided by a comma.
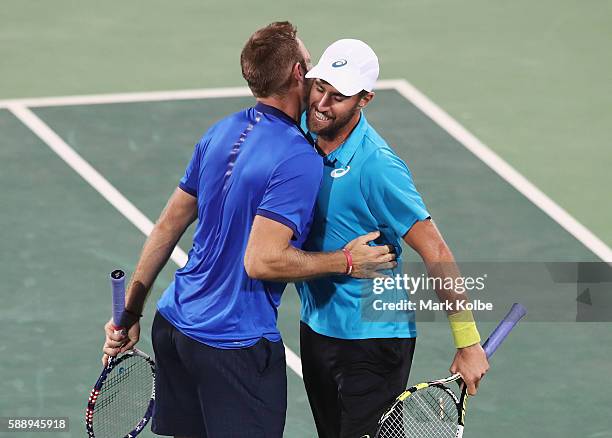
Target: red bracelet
{"x": 349, "y": 261}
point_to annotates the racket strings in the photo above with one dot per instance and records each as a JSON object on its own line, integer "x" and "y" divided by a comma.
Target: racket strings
{"x": 114, "y": 380}
{"x": 428, "y": 413}
{"x": 123, "y": 399}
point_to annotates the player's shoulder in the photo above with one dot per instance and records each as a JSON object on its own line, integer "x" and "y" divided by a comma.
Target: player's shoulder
{"x": 375, "y": 149}
{"x": 217, "y": 126}
{"x": 231, "y": 120}
{"x": 298, "y": 152}
{"x": 298, "y": 138}
{"x": 291, "y": 138}
{"x": 284, "y": 132}
{"x": 373, "y": 139}
{"x": 303, "y": 154}
{"x": 228, "y": 125}
{"x": 295, "y": 139}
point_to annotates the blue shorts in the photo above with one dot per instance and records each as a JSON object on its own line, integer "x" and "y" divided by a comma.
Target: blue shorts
{"x": 208, "y": 392}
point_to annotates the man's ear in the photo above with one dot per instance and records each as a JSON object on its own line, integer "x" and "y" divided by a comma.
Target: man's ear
{"x": 298, "y": 72}
{"x": 365, "y": 100}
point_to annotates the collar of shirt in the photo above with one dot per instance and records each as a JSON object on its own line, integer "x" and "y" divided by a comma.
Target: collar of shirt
{"x": 268, "y": 109}
{"x": 344, "y": 153}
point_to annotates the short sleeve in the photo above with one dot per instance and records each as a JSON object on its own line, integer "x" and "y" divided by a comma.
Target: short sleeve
{"x": 390, "y": 192}
{"x": 189, "y": 181}
{"x": 292, "y": 191}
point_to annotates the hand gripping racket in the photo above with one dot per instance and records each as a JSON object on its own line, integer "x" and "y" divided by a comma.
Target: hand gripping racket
{"x": 432, "y": 409}
{"x": 121, "y": 402}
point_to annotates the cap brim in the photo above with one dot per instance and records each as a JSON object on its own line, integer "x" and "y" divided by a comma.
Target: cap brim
{"x": 342, "y": 80}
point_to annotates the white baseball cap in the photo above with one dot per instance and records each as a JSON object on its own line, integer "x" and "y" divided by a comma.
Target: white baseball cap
{"x": 347, "y": 65}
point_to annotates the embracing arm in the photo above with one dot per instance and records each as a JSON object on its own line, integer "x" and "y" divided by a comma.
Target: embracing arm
{"x": 270, "y": 256}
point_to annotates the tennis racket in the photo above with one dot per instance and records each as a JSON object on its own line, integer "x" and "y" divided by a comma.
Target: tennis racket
{"x": 121, "y": 402}
{"x": 432, "y": 409}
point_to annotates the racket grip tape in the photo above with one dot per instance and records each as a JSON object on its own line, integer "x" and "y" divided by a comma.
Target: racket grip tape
{"x": 117, "y": 278}
{"x": 504, "y": 328}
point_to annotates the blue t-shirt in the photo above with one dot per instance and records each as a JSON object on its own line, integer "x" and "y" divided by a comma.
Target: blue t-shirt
{"x": 254, "y": 162}
{"x": 366, "y": 187}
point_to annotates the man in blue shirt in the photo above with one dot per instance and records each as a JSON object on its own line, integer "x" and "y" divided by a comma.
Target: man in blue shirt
{"x": 251, "y": 183}
{"x": 355, "y": 361}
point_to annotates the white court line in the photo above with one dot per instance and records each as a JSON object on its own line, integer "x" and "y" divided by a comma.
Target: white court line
{"x": 505, "y": 170}
{"x": 294, "y": 361}
{"x": 109, "y": 192}
{"x": 155, "y": 96}
{"x": 150, "y": 96}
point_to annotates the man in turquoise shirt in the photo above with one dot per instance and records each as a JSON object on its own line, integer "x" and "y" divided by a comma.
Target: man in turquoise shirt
{"x": 356, "y": 360}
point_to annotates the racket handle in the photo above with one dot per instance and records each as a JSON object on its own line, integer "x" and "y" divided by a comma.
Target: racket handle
{"x": 117, "y": 278}
{"x": 503, "y": 329}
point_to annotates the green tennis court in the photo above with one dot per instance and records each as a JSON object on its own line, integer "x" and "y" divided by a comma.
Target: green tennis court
{"x": 63, "y": 229}
{"x": 68, "y": 237}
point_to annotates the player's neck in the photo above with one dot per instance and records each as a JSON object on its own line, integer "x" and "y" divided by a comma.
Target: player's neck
{"x": 328, "y": 144}
{"x": 291, "y": 107}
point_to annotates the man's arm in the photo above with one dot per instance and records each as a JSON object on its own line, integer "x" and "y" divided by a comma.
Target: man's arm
{"x": 424, "y": 237}
{"x": 270, "y": 255}
{"x": 180, "y": 211}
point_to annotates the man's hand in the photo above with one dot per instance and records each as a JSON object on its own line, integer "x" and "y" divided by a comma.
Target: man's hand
{"x": 369, "y": 260}
{"x": 471, "y": 362}
{"x": 119, "y": 342}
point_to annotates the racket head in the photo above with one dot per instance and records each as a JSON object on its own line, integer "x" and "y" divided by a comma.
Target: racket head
{"x": 398, "y": 422}
{"x": 430, "y": 409}
{"x": 121, "y": 402}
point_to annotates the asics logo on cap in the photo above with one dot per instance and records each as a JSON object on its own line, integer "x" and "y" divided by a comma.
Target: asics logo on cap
{"x": 339, "y": 63}
{"x": 337, "y": 173}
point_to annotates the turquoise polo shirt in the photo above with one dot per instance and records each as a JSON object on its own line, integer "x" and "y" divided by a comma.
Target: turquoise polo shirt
{"x": 365, "y": 187}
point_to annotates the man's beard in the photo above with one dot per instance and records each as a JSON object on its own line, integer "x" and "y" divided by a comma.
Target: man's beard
{"x": 330, "y": 129}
